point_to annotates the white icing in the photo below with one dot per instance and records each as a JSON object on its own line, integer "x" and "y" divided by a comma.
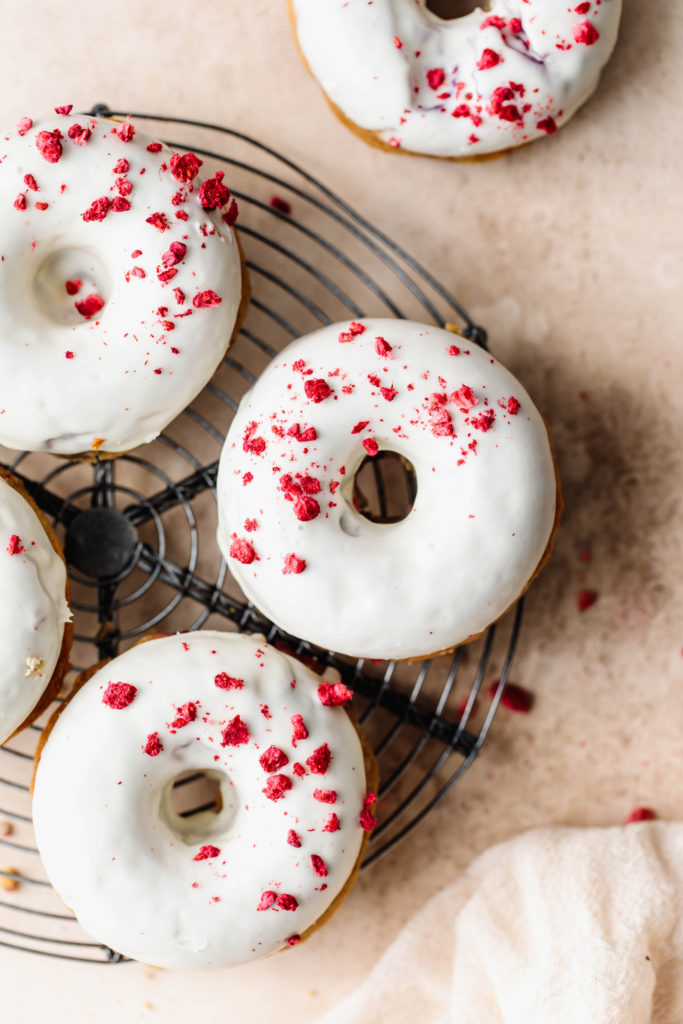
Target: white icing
{"x": 481, "y": 519}
{"x": 34, "y": 610}
{"x": 110, "y": 389}
{"x": 124, "y": 863}
{"x": 351, "y": 49}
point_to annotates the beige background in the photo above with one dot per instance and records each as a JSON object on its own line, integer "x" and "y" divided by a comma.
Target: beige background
{"x": 570, "y": 253}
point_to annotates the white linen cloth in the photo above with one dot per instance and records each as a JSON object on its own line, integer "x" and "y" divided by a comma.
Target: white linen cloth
{"x": 555, "y": 926}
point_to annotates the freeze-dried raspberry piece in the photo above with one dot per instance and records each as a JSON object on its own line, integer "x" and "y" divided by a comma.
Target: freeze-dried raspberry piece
{"x": 287, "y": 902}
{"x": 213, "y": 193}
{"x": 272, "y": 759}
{"x": 78, "y": 134}
{"x": 23, "y": 125}
{"x": 300, "y": 732}
{"x": 484, "y": 421}
{"x": 119, "y": 695}
{"x": 370, "y": 446}
{"x": 332, "y": 823}
{"x": 243, "y": 551}
{"x": 15, "y": 547}
{"x": 586, "y": 599}
{"x": 309, "y": 434}
{"x": 293, "y": 839}
{"x": 126, "y": 131}
{"x": 513, "y": 406}
{"x": 547, "y": 125}
{"x": 585, "y": 33}
{"x": 319, "y": 761}
{"x": 97, "y": 210}
{"x": 186, "y": 713}
{"x": 206, "y": 299}
{"x": 90, "y": 306}
{"x": 225, "y": 682}
{"x": 488, "y": 59}
{"x": 153, "y": 745}
{"x": 435, "y": 77}
{"x": 333, "y": 694}
{"x": 174, "y": 254}
{"x": 20, "y": 202}
{"x": 298, "y": 770}
{"x": 514, "y": 697}
{"x": 30, "y": 182}
{"x": 276, "y": 787}
{"x": 306, "y": 508}
{"x": 367, "y": 819}
{"x": 231, "y": 214}
{"x": 49, "y": 146}
{"x": 267, "y": 900}
{"x": 73, "y": 287}
{"x": 119, "y": 205}
{"x": 361, "y": 425}
{"x": 293, "y": 565}
{"x": 325, "y": 796}
{"x": 158, "y": 221}
{"x": 388, "y": 393}
{"x": 41, "y": 206}
{"x": 464, "y": 398}
{"x": 493, "y": 21}
{"x": 185, "y": 166}
{"x": 121, "y": 166}
{"x": 235, "y": 733}
{"x": 640, "y": 814}
{"x": 279, "y": 204}
{"x": 317, "y": 390}
{"x": 318, "y": 865}
{"x": 154, "y": 147}
{"x": 207, "y": 853}
{"x": 382, "y": 347}
{"x": 166, "y": 275}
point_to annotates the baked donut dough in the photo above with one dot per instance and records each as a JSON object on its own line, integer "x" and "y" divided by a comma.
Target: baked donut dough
{"x": 481, "y": 523}
{"x": 408, "y": 80}
{"x": 35, "y": 627}
{"x": 120, "y": 284}
{"x": 213, "y": 889}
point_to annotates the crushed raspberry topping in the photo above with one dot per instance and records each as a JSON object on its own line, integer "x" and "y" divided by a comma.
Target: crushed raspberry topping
{"x": 20, "y": 202}
{"x": 206, "y": 299}
{"x": 276, "y": 787}
{"x": 493, "y": 21}
{"x": 640, "y": 814}
{"x": 125, "y": 132}
{"x": 317, "y": 390}
{"x": 153, "y": 745}
{"x": 514, "y": 697}
{"x": 464, "y": 398}
{"x": 547, "y": 125}
{"x": 586, "y": 599}
{"x": 186, "y": 713}
{"x": 325, "y": 796}
{"x": 332, "y": 823}
{"x": 354, "y": 330}
{"x": 49, "y": 146}
{"x": 382, "y": 347}
{"x": 255, "y": 445}
{"x": 367, "y": 818}
{"x": 185, "y": 166}
{"x": 23, "y": 125}
{"x": 97, "y": 210}
{"x": 158, "y": 221}
{"x": 435, "y": 78}
{"x": 484, "y": 421}
{"x": 453, "y": 350}
{"x": 235, "y": 733}
{"x": 299, "y": 730}
{"x": 309, "y": 434}
{"x": 279, "y": 204}
{"x": 287, "y": 902}
{"x": 121, "y": 166}
{"x": 319, "y": 761}
{"x": 154, "y": 147}
{"x": 370, "y": 446}
{"x": 488, "y": 59}
{"x": 225, "y": 682}
{"x": 66, "y": 109}
{"x": 361, "y": 425}
{"x": 231, "y": 214}
{"x": 267, "y": 900}
{"x": 293, "y": 565}
{"x": 585, "y": 33}
{"x": 90, "y": 306}
{"x": 333, "y": 694}
{"x": 318, "y": 865}
{"x": 306, "y": 508}
{"x": 207, "y": 853}
{"x": 119, "y": 695}
{"x": 119, "y": 205}
{"x": 243, "y": 551}
{"x": 30, "y": 182}
{"x": 513, "y": 406}
{"x": 293, "y": 839}
{"x": 15, "y": 547}
{"x": 213, "y": 193}
{"x": 272, "y": 759}
{"x": 174, "y": 254}
{"x": 265, "y": 710}
{"x": 298, "y": 770}
{"x": 389, "y": 394}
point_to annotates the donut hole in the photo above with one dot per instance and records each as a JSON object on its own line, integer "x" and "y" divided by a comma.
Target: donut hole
{"x": 71, "y": 286}
{"x": 449, "y": 10}
{"x": 385, "y": 487}
{"x": 198, "y": 805}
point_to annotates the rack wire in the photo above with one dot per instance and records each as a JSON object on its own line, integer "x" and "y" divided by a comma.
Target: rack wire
{"x": 139, "y": 532}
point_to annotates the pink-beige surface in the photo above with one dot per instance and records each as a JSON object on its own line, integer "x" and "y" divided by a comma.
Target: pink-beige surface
{"x": 570, "y": 252}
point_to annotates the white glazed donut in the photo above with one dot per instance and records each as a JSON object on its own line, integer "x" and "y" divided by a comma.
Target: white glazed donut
{"x": 34, "y": 610}
{"x": 118, "y": 291}
{"x": 486, "y": 490}
{"x": 481, "y": 83}
{"x": 209, "y": 890}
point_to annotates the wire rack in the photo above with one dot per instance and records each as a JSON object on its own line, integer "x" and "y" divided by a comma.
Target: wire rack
{"x": 139, "y": 532}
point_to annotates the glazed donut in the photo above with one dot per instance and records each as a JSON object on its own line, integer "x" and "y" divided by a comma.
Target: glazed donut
{"x": 35, "y": 628}
{"x": 491, "y": 80}
{"x": 486, "y": 490}
{"x": 214, "y": 889}
{"x": 120, "y": 284}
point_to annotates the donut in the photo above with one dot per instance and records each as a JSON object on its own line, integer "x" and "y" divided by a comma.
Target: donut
{"x": 35, "y": 627}
{"x": 408, "y": 80}
{"x": 120, "y": 284}
{"x": 481, "y": 523}
{"x": 212, "y": 889}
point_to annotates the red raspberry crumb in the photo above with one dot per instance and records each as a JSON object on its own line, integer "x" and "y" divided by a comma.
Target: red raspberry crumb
{"x": 382, "y": 347}
{"x": 397, "y": 43}
{"x": 90, "y": 306}
{"x": 213, "y": 192}
{"x": 319, "y": 761}
{"x": 317, "y": 390}
{"x": 179, "y": 296}
{"x": 583, "y": 8}
{"x": 20, "y": 202}
{"x": 586, "y": 599}
{"x": 121, "y": 166}
{"x": 23, "y": 125}
{"x": 15, "y": 547}
{"x": 231, "y": 214}
{"x": 515, "y": 25}
{"x": 367, "y": 819}
{"x": 514, "y": 698}
{"x": 370, "y": 446}
{"x": 207, "y": 853}
{"x": 298, "y": 770}
{"x": 435, "y": 78}
{"x": 488, "y": 59}
{"x": 484, "y": 421}
{"x": 119, "y": 695}
{"x": 73, "y": 287}
{"x": 334, "y": 694}
{"x": 493, "y": 21}
{"x": 243, "y": 551}
{"x": 119, "y": 205}
{"x": 454, "y": 350}
{"x": 265, "y": 710}
{"x": 272, "y": 759}
{"x": 41, "y": 206}
{"x": 464, "y": 398}
{"x": 287, "y": 902}
{"x": 295, "y": 431}
{"x": 186, "y": 713}
{"x": 125, "y": 132}
{"x": 30, "y": 182}
{"x": 235, "y": 733}
{"x": 276, "y": 787}
{"x": 167, "y": 275}
{"x": 153, "y": 745}
{"x": 225, "y": 682}
{"x": 318, "y": 865}
{"x": 97, "y": 210}
{"x": 332, "y": 823}
{"x": 293, "y": 565}
{"x": 293, "y": 940}
{"x": 300, "y": 732}
{"x": 49, "y": 146}
{"x": 247, "y": 478}
{"x": 154, "y": 147}
{"x": 185, "y": 166}
{"x": 513, "y": 406}
{"x": 124, "y": 186}
{"x": 267, "y": 900}
{"x": 281, "y": 205}
{"x": 388, "y": 393}
{"x": 325, "y": 796}
{"x": 361, "y": 425}
{"x": 207, "y": 299}
{"x": 250, "y": 525}
{"x": 547, "y": 125}
{"x": 293, "y": 839}
{"x": 640, "y": 814}
{"x": 69, "y": 355}
{"x": 174, "y": 254}
{"x": 158, "y": 221}
{"x": 306, "y": 508}
{"x": 78, "y": 134}
{"x": 585, "y": 33}
{"x": 65, "y": 109}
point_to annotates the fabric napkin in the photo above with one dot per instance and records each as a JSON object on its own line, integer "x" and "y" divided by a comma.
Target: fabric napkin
{"x": 555, "y": 926}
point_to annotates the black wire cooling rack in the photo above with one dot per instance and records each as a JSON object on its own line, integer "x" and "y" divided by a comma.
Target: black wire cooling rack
{"x": 139, "y": 532}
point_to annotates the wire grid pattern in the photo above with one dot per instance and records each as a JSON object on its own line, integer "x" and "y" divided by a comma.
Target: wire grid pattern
{"x": 321, "y": 263}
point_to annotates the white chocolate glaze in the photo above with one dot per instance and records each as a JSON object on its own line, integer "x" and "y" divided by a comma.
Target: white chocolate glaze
{"x": 481, "y": 521}
{"x": 121, "y": 858}
{"x": 69, "y": 383}
{"x": 34, "y": 609}
{"x": 477, "y": 84}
